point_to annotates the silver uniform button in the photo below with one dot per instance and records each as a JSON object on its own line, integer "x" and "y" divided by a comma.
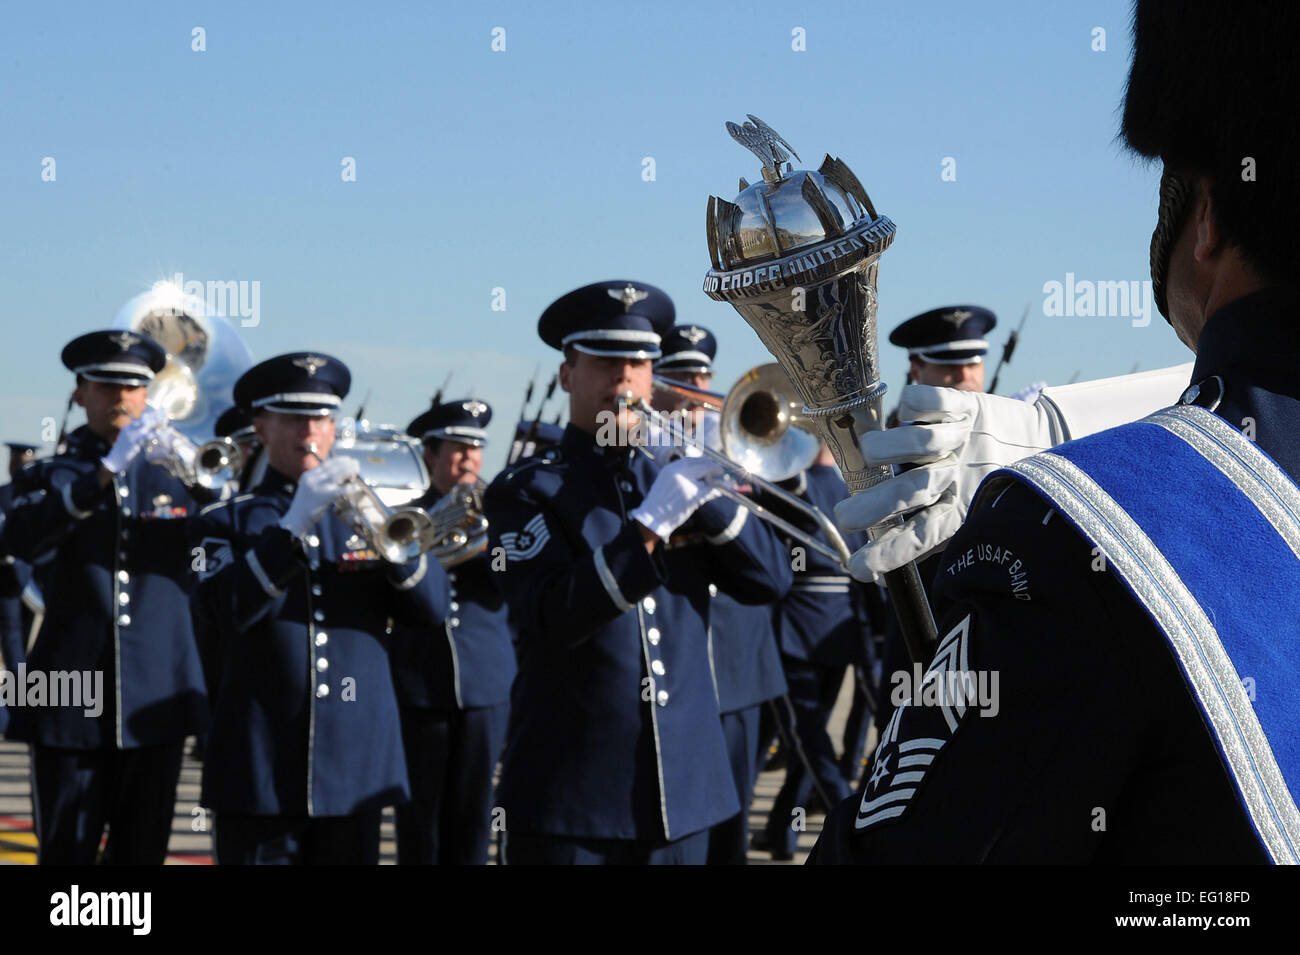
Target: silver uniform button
{"x": 123, "y": 492}
{"x": 121, "y": 555}
{"x": 653, "y": 636}
{"x": 658, "y": 667}
{"x": 126, "y": 512}
{"x": 315, "y": 590}
{"x": 313, "y": 540}
{"x": 123, "y": 577}
{"x": 713, "y": 590}
{"x": 454, "y": 605}
{"x": 662, "y": 697}
{"x": 322, "y": 690}
{"x": 319, "y": 615}
{"x": 625, "y": 485}
{"x": 322, "y": 664}
{"x": 126, "y": 534}
{"x": 124, "y": 620}
{"x": 454, "y": 621}
{"x": 124, "y": 598}
{"x": 649, "y": 604}
{"x": 322, "y": 638}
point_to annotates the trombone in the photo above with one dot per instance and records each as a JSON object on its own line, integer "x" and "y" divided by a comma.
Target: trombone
{"x": 764, "y": 439}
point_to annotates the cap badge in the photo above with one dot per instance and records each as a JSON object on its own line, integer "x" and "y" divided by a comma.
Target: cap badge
{"x": 124, "y": 340}
{"x": 629, "y": 296}
{"x": 694, "y": 335}
{"x": 311, "y": 364}
{"x": 957, "y": 316}
{"x": 475, "y": 408}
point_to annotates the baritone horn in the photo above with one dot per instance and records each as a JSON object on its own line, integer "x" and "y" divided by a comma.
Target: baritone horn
{"x": 458, "y": 529}
{"x": 397, "y": 534}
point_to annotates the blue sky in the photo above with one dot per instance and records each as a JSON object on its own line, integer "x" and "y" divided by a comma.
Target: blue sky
{"x": 523, "y": 170}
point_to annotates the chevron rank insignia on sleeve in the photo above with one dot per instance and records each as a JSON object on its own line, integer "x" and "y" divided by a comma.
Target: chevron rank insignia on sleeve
{"x": 527, "y": 543}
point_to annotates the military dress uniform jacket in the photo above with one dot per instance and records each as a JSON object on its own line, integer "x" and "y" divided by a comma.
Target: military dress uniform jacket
{"x": 306, "y": 719}
{"x": 824, "y": 619}
{"x": 1091, "y": 710}
{"x": 117, "y": 598}
{"x": 742, "y": 647}
{"x": 614, "y": 729}
{"x": 14, "y": 576}
{"x": 470, "y": 660}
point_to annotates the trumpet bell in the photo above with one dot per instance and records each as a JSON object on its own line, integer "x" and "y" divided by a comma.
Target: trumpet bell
{"x": 762, "y": 427}
{"x": 403, "y": 533}
{"x": 217, "y": 463}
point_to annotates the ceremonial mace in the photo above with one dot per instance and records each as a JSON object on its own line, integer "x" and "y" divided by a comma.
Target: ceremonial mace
{"x": 797, "y": 256}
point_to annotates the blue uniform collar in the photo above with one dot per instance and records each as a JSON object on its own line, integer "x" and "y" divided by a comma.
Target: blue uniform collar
{"x": 273, "y": 482}
{"x": 86, "y": 444}
{"x": 1256, "y": 335}
{"x": 578, "y": 445}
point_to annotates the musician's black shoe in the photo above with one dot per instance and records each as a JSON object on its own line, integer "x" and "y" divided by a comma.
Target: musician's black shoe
{"x": 760, "y": 842}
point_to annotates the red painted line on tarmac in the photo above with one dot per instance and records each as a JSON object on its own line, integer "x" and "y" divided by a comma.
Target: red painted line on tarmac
{"x": 180, "y": 858}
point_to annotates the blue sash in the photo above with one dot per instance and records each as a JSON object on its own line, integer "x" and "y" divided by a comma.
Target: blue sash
{"x": 1203, "y": 528}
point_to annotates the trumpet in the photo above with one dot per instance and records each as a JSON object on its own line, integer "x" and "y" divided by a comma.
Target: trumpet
{"x": 458, "y": 530}
{"x": 216, "y": 463}
{"x": 396, "y": 534}
{"x": 209, "y": 465}
{"x": 764, "y": 440}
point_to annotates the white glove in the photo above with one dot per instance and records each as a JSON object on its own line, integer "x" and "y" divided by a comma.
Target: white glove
{"x": 317, "y": 490}
{"x": 676, "y": 494}
{"x": 131, "y": 439}
{"x": 171, "y": 443}
{"x": 958, "y": 438}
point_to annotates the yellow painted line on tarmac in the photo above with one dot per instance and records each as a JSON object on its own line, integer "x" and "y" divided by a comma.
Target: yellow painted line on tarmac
{"x": 18, "y": 858}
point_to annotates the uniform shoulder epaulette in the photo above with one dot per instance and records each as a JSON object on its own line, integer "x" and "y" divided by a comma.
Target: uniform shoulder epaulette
{"x": 549, "y": 458}
{"x": 535, "y": 477}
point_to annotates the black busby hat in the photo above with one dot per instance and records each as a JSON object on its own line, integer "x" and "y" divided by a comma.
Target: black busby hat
{"x": 1210, "y": 91}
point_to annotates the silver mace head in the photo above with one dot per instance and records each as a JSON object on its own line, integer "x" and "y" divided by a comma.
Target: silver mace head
{"x": 797, "y": 256}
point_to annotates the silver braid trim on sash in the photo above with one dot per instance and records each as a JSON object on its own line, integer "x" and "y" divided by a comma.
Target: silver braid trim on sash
{"x": 1209, "y": 669}
{"x": 1242, "y": 463}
